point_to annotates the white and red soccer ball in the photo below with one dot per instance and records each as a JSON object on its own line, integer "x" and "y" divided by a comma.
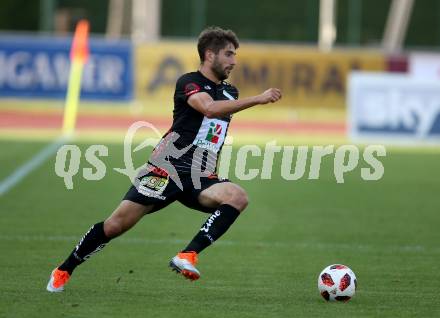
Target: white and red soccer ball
{"x": 337, "y": 282}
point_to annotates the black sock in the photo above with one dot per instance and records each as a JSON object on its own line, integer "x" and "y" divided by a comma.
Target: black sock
{"x": 92, "y": 242}
{"x": 214, "y": 227}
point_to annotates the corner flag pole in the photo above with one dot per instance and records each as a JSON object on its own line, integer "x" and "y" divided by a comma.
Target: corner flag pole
{"x": 78, "y": 57}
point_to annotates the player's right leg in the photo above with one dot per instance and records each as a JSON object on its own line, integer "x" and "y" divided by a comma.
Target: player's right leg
{"x": 126, "y": 215}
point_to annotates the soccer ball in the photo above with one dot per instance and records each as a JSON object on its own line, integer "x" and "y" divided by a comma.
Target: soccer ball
{"x": 337, "y": 282}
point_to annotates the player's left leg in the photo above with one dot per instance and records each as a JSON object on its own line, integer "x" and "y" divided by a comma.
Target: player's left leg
{"x": 226, "y": 200}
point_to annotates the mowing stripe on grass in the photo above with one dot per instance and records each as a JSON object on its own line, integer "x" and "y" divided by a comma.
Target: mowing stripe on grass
{"x": 269, "y": 244}
{"x": 20, "y": 173}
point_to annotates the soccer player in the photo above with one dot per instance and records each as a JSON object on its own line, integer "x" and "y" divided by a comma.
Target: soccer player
{"x": 183, "y": 164}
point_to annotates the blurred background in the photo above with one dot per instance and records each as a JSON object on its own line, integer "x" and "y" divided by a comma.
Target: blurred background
{"x": 309, "y": 49}
{"x": 351, "y": 71}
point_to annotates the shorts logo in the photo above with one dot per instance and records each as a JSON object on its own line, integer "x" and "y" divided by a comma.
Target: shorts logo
{"x": 153, "y": 186}
{"x": 154, "y": 182}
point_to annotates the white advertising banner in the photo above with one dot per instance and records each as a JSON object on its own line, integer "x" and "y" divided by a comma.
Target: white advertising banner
{"x": 393, "y": 108}
{"x": 425, "y": 65}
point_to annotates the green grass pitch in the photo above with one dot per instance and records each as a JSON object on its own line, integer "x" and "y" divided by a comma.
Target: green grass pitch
{"x": 387, "y": 231}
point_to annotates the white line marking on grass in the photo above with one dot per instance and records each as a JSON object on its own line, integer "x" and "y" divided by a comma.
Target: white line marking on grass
{"x": 20, "y": 173}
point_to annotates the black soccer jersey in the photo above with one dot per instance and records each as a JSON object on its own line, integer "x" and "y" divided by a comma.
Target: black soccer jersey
{"x": 194, "y": 130}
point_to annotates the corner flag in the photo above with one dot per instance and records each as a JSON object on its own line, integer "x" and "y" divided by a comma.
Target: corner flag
{"x": 78, "y": 57}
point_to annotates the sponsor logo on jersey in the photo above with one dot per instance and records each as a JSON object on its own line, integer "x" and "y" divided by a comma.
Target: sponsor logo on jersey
{"x": 211, "y": 134}
{"x": 206, "y": 145}
{"x": 214, "y": 132}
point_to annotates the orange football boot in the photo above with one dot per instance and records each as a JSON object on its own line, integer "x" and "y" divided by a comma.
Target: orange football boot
{"x": 58, "y": 279}
{"x": 184, "y": 263}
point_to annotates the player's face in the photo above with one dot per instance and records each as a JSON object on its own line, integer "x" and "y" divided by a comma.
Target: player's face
{"x": 224, "y": 62}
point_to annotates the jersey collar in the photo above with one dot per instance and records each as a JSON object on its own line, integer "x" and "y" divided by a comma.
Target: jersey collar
{"x": 207, "y": 79}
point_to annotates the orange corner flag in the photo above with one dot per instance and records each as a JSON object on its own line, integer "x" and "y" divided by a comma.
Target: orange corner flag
{"x": 80, "y": 45}
{"x": 78, "y": 56}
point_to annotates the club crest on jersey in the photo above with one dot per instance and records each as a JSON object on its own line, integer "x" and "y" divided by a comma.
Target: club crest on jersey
{"x": 191, "y": 88}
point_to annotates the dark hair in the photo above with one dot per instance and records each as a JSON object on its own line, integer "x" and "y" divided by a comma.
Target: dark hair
{"x": 214, "y": 38}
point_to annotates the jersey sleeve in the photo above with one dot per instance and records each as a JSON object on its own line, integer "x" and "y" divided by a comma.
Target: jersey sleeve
{"x": 234, "y": 92}
{"x": 187, "y": 86}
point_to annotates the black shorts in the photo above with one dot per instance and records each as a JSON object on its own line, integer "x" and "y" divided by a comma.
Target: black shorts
{"x": 160, "y": 191}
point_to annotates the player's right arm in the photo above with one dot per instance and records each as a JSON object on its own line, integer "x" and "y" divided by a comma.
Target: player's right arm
{"x": 203, "y": 103}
